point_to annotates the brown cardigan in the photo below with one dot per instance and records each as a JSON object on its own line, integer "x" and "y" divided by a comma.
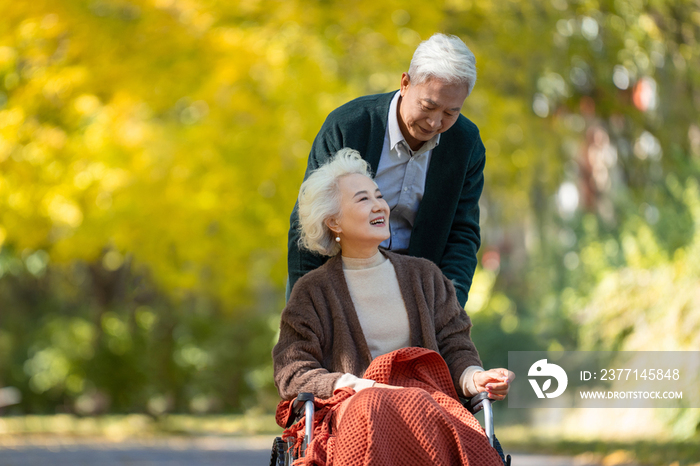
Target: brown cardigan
{"x": 321, "y": 337}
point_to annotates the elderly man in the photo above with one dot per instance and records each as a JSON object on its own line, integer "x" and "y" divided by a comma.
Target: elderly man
{"x": 428, "y": 160}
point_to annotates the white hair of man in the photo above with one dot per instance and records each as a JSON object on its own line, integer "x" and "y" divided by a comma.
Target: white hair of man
{"x": 319, "y": 200}
{"x": 445, "y": 58}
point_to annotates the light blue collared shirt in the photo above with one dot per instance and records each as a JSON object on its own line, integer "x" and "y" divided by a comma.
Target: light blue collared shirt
{"x": 401, "y": 178}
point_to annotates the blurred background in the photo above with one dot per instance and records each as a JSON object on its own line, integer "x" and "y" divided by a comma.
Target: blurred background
{"x": 151, "y": 152}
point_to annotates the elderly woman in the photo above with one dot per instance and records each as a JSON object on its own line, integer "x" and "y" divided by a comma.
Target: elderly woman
{"x": 364, "y": 304}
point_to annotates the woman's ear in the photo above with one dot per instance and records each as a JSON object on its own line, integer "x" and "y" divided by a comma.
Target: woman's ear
{"x": 333, "y": 225}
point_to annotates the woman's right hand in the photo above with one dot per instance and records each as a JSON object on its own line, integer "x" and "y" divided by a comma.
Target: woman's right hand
{"x": 383, "y": 385}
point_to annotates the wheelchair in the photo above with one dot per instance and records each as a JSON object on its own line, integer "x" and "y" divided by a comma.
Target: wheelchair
{"x": 303, "y": 408}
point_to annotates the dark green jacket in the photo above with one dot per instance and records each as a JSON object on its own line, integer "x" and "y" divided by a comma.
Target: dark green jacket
{"x": 446, "y": 228}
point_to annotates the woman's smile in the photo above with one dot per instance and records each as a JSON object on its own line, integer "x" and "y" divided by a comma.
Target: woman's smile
{"x": 363, "y": 222}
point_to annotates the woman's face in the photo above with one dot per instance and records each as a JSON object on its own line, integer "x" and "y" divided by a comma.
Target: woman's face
{"x": 364, "y": 216}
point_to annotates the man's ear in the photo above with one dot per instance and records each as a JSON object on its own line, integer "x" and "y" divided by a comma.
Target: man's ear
{"x": 405, "y": 83}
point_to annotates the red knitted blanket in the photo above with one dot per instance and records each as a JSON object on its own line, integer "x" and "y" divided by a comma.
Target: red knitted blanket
{"x": 423, "y": 423}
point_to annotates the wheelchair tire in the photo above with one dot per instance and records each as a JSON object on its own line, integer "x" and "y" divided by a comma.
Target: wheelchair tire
{"x": 277, "y": 457}
{"x": 499, "y": 450}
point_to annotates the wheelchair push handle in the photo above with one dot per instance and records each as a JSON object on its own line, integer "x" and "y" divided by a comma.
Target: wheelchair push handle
{"x": 304, "y": 403}
{"x": 299, "y": 407}
{"x": 477, "y": 403}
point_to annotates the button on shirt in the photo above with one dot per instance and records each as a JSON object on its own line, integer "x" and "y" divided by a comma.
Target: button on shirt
{"x": 401, "y": 179}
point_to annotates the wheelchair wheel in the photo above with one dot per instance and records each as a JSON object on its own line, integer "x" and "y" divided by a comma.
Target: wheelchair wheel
{"x": 277, "y": 457}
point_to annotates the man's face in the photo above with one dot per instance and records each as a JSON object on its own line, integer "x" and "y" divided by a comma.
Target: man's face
{"x": 427, "y": 109}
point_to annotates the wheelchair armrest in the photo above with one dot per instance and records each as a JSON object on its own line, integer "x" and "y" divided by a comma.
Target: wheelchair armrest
{"x": 476, "y": 403}
{"x": 298, "y": 407}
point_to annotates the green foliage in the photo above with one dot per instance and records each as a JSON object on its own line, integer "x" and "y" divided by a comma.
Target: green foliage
{"x": 82, "y": 339}
{"x": 652, "y": 303}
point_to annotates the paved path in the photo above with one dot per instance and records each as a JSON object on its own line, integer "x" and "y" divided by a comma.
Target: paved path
{"x": 207, "y": 451}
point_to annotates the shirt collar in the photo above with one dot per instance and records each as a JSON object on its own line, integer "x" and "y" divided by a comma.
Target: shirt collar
{"x": 395, "y": 134}
{"x": 351, "y": 263}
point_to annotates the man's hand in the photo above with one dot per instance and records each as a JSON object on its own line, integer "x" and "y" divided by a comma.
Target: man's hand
{"x": 494, "y": 381}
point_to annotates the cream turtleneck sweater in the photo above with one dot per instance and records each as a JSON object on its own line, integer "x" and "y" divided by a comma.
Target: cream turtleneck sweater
{"x": 376, "y": 295}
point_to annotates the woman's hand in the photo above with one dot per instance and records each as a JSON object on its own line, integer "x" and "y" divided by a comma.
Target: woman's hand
{"x": 494, "y": 381}
{"x": 383, "y": 385}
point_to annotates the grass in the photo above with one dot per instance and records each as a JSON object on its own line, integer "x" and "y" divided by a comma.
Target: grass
{"x": 606, "y": 452}
{"x": 619, "y": 453}
{"x": 139, "y": 425}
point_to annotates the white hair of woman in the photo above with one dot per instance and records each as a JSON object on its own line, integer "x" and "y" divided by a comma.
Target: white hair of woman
{"x": 319, "y": 200}
{"x": 445, "y": 58}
